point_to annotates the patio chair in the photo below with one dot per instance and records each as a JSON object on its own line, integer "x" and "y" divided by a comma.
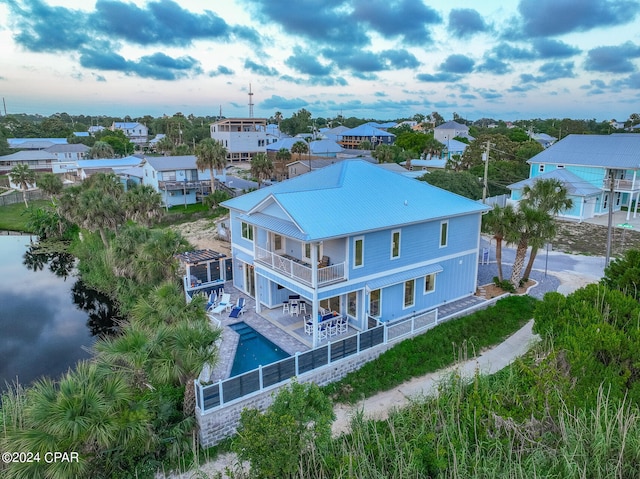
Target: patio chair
{"x": 324, "y": 262}
{"x": 323, "y": 331}
{"x": 285, "y": 307}
{"x": 332, "y": 327}
{"x": 343, "y": 324}
{"x": 308, "y": 324}
{"x": 238, "y": 309}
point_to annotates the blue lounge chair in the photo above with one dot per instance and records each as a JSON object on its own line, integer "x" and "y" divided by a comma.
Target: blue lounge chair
{"x": 238, "y": 309}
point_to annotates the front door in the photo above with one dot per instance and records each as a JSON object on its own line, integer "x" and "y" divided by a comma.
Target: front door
{"x": 249, "y": 281}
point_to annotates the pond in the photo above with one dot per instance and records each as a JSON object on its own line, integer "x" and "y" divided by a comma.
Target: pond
{"x": 48, "y": 317}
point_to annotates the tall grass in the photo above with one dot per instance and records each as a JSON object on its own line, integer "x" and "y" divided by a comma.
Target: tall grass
{"x": 463, "y": 433}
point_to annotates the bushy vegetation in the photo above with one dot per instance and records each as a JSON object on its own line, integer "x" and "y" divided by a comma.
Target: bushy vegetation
{"x": 440, "y": 347}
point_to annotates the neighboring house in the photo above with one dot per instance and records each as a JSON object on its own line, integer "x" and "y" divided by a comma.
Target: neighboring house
{"x": 334, "y": 134}
{"x": 327, "y": 148}
{"x": 176, "y": 178}
{"x": 285, "y": 143}
{"x": 356, "y": 239}
{"x": 86, "y": 168}
{"x": 353, "y": 138}
{"x": 242, "y": 137}
{"x": 67, "y": 156}
{"x": 81, "y": 134}
{"x": 432, "y": 164}
{"x": 617, "y": 125}
{"x": 137, "y": 133}
{"x": 38, "y": 160}
{"x": 545, "y": 140}
{"x": 95, "y": 129}
{"x": 34, "y": 143}
{"x": 583, "y": 164}
{"x": 449, "y": 130}
{"x": 134, "y": 175}
{"x": 454, "y": 147}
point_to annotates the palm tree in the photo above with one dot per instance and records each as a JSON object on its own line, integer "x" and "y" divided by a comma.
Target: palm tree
{"x": 278, "y": 118}
{"x": 143, "y": 204}
{"x": 164, "y": 145}
{"x": 383, "y": 153}
{"x": 527, "y": 224}
{"x": 498, "y": 222}
{"x": 212, "y": 155}
{"x": 23, "y": 176}
{"x": 300, "y": 147}
{"x": 50, "y": 184}
{"x": 99, "y": 212}
{"x": 101, "y": 149}
{"x": 550, "y": 196}
{"x": 283, "y": 156}
{"x": 261, "y": 167}
{"x": 155, "y": 260}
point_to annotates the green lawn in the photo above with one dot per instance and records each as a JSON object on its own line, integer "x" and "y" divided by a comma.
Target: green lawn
{"x": 12, "y": 217}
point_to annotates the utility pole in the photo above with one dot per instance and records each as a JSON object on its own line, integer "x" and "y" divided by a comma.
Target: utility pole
{"x": 486, "y": 172}
{"x": 610, "y": 217}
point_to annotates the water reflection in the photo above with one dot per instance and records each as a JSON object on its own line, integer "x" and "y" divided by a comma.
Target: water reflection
{"x": 46, "y": 321}
{"x": 60, "y": 264}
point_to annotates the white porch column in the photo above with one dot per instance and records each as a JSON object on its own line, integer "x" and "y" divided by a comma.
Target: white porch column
{"x": 314, "y": 287}
{"x": 635, "y": 211}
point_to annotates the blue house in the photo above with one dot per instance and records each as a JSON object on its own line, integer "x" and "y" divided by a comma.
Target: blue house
{"x": 584, "y": 164}
{"x": 356, "y": 239}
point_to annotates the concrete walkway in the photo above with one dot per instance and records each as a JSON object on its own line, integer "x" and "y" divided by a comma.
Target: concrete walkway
{"x": 379, "y": 406}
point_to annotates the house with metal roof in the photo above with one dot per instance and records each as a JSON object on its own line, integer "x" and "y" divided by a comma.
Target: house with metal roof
{"x": 136, "y": 132}
{"x": 242, "y": 137}
{"x": 39, "y": 160}
{"x": 599, "y": 171}
{"x": 176, "y": 178}
{"x": 353, "y": 138}
{"x": 356, "y": 240}
{"x": 448, "y": 131}
{"x": 106, "y": 165}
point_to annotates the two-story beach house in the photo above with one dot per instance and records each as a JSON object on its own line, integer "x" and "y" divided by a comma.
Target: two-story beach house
{"x": 137, "y": 133}
{"x": 242, "y": 137}
{"x": 356, "y": 239}
{"x": 176, "y": 178}
{"x": 599, "y": 172}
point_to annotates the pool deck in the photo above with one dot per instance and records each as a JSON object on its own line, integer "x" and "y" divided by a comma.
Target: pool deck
{"x": 272, "y": 323}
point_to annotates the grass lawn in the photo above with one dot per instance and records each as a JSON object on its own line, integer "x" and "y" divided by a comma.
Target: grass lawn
{"x": 12, "y": 217}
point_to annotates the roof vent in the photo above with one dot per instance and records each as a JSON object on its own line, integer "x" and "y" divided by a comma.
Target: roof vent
{"x": 406, "y": 202}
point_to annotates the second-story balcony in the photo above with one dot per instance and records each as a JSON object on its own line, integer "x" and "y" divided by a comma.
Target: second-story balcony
{"x": 180, "y": 185}
{"x": 298, "y": 269}
{"x": 622, "y": 184}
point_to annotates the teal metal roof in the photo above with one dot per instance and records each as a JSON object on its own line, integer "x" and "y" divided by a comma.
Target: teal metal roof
{"x": 620, "y": 150}
{"x": 351, "y": 197}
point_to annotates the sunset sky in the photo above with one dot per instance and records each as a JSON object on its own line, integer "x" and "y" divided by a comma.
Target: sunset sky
{"x": 382, "y": 59}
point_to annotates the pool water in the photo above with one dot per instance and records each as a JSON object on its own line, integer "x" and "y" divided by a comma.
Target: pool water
{"x": 253, "y": 350}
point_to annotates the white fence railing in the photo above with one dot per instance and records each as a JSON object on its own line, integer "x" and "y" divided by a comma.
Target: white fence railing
{"x": 297, "y": 270}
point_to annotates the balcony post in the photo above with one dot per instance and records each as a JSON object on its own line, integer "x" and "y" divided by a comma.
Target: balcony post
{"x": 314, "y": 288}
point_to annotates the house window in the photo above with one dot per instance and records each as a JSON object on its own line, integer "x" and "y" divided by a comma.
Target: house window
{"x": 331, "y": 304}
{"x": 306, "y": 252}
{"x": 444, "y": 233}
{"x": 429, "y": 283}
{"x": 374, "y": 303}
{"x": 409, "y": 293}
{"x": 277, "y": 243}
{"x": 358, "y": 252}
{"x": 352, "y": 304}
{"x": 247, "y": 231}
{"x": 395, "y": 244}
{"x": 541, "y": 168}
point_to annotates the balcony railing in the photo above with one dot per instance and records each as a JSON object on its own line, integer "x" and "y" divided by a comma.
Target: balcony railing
{"x": 298, "y": 270}
{"x": 180, "y": 185}
{"x": 626, "y": 185}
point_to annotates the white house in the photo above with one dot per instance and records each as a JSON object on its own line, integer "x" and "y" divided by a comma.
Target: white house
{"x": 242, "y": 137}
{"x": 449, "y": 130}
{"x": 136, "y": 132}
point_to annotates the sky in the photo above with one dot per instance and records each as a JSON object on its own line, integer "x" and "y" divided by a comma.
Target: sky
{"x": 381, "y": 59}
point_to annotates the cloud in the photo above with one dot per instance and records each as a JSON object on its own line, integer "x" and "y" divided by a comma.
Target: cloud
{"x": 321, "y": 21}
{"x": 437, "y": 77}
{"x": 157, "y": 66}
{"x": 489, "y": 94}
{"x": 495, "y": 66}
{"x": 42, "y": 28}
{"x": 613, "y": 59}
{"x": 457, "y": 64}
{"x": 547, "y": 48}
{"x": 632, "y": 81}
{"x": 466, "y": 22}
{"x": 221, "y": 71}
{"x": 550, "y": 71}
{"x": 279, "y": 103}
{"x": 307, "y": 63}
{"x": 260, "y": 69}
{"x": 522, "y": 88}
{"x": 405, "y": 19}
{"x": 365, "y": 62}
{"x": 556, "y": 17}
{"x": 164, "y": 22}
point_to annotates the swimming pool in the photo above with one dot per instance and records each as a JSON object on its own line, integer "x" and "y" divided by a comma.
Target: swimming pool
{"x": 253, "y": 350}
